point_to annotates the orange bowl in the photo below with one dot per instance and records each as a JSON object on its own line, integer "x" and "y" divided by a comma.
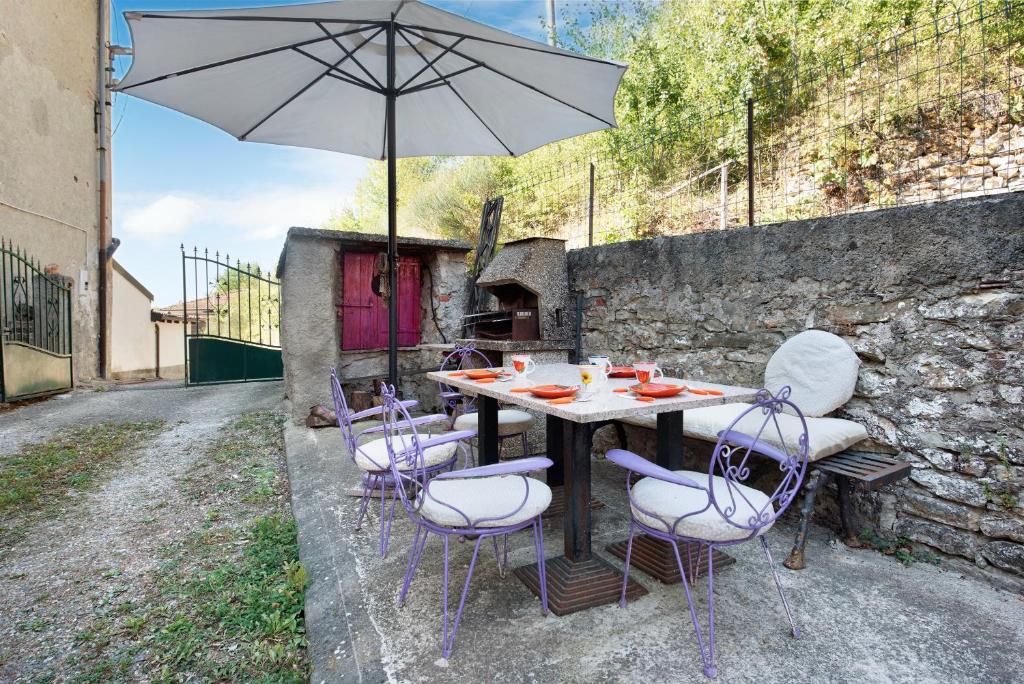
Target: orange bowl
{"x": 657, "y": 390}
{"x": 553, "y": 391}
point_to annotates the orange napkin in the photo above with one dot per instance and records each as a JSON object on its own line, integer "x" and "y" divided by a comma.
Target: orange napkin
{"x": 484, "y": 381}
{"x": 711, "y": 392}
{"x": 644, "y": 398}
{"x": 562, "y": 400}
{"x": 519, "y": 389}
{"x": 456, "y": 374}
{"x": 620, "y": 389}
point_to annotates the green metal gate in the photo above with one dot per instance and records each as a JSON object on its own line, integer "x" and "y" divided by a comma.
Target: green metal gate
{"x": 35, "y": 328}
{"x": 232, "y": 320}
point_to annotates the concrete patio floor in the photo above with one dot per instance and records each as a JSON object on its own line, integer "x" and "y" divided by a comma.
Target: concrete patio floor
{"x": 864, "y": 616}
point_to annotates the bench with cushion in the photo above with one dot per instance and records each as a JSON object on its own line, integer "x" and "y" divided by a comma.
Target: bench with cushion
{"x": 821, "y": 370}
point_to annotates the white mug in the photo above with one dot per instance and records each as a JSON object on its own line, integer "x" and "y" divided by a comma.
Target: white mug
{"x": 523, "y": 365}
{"x": 603, "y": 361}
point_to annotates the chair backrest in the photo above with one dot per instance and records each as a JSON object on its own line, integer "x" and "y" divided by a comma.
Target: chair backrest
{"x": 343, "y": 414}
{"x": 459, "y": 358}
{"x": 747, "y": 435}
{"x": 819, "y": 368}
{"x": 405, "y": 453}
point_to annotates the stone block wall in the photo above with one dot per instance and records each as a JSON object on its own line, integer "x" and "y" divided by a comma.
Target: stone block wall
{"x": 931, "y": 298}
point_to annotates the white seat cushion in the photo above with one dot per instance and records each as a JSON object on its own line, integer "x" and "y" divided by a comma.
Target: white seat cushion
{"x": 373, "y": 456}
{"x": 485, "y": 497}
{"x": 825, "y": 436}
{"x": 668, "y": 501}
{"x": 820, "y": 368}
{"x": 510, "y": 422}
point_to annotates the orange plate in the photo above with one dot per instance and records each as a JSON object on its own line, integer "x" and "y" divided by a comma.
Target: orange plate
{"x": 553, "y": 391}
{"x": 622, "y": 372}
{"x": 481, "y": 373}
{"x": 658, "y": 390}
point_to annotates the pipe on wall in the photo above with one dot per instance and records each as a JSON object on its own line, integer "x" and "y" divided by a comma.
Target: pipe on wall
{"x": 103, "y": 174}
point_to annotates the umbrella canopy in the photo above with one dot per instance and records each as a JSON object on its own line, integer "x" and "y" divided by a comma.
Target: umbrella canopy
{"x": 380, "y": 79}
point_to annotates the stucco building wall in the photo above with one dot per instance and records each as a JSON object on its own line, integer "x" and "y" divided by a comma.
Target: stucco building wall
{"x": 49, "y": 200}
{"x": 310, "y": 271}
{"x": 133, "y": 334}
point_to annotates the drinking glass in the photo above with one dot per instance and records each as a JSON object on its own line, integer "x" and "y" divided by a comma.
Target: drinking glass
{"x": 523, "y": 365}
{"x": 647, "y": 371}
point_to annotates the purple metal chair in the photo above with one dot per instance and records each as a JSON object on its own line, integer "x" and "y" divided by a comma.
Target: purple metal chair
{"x": 715, "y": 509}
{"x": 462, "y": 409}
{"x": 479, "y": 503}
{"x": 372, "y": 457}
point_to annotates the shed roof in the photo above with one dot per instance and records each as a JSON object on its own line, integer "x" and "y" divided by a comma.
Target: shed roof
{"x": 369, "y": 240}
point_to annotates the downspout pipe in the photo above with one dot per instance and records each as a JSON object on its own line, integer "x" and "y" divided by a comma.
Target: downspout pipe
{"x": 103, "y": 175}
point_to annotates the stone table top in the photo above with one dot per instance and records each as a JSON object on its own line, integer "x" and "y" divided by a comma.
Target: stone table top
{"x": 605, "y": 405}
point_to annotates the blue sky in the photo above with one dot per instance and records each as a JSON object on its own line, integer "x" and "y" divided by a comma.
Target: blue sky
{"x": 178, "y": 180}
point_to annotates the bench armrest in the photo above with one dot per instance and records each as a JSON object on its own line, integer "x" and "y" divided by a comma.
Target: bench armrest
{"x": 639, "y": 464}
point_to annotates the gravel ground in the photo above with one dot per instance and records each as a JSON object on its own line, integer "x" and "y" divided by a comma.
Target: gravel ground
{"x": 91, "y": 553}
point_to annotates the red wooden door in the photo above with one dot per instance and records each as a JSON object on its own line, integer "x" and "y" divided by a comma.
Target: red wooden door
{"x": 364, "y": 315}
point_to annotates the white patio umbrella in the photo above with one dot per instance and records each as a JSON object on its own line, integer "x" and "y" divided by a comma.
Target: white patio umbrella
{"x": 380, "y": 79}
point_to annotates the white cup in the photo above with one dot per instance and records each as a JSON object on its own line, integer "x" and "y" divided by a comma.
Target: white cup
{"x": 523, "y": 365}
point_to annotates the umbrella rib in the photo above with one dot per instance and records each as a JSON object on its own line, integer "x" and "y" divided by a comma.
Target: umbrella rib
{"x": 304, "y": 89}
{"x": 351, "y": 55}
{"x": 428, "y": 65}
{"x": 456, "y": 92}
{"x": 339, "y": 73}
{"x": 566, "y": 54}
{"x": 253, "y": 17}
{"x": 513, "y": 79}
{"x": 240, "y": 58}
{"x": 440, "y": 80}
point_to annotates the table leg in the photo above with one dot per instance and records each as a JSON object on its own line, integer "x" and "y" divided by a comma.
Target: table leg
{"x": 654, "y": 556}
{"x": 577, "y": 580}
{"x": 487, "y": 430}
{"x": 555, "y": 440}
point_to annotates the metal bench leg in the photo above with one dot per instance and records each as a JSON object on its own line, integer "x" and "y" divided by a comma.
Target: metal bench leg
{"x": 849, "y": 535}
{"x": 795, "y": 561}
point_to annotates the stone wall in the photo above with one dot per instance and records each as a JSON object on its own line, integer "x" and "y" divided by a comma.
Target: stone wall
{"x": 931, "y": 298}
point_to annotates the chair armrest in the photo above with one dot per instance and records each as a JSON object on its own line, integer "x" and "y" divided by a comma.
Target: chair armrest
{"x": 639, "y": 464}
{"x": 520, "y": 465}
{"x": 377, "y": 410}
{"x": 745, "y": 441}
{"x": 422, "y": 420}
{"x": 447, "y": 437}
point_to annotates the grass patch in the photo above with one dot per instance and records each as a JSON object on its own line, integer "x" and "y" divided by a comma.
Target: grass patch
{"x": 72, "y": 461}
{"x": 901, "y": 549}
{"x": 226, "y": 603}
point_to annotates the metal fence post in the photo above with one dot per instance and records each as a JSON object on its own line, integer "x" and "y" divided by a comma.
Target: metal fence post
{"x": 723, "y": 214}
{"x": 590, "y": 213}
{"x": 750, "y": 161}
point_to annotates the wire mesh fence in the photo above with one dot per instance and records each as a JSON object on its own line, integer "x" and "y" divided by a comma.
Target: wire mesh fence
{"x": 928, "y": 113}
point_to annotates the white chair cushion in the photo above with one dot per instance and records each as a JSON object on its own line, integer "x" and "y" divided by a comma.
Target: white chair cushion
{"x": 668, "y": 501}
{"x": 510, "y": 422}
{"x": 485, "y": 497}
{"x": 373, "y": 456}
{"x": 825, "y": 436}
{"x": 820, "y": 368}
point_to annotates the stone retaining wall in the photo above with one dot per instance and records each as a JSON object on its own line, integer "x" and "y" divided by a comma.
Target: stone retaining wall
{"x": 931, "y": 298}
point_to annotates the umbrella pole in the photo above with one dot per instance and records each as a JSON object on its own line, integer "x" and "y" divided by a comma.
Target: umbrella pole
{"x": 392, "y": 212}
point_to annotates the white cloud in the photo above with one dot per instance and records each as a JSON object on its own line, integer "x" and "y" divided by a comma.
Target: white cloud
{"x": 168, "y": 215}
{"x": 250, "y": 215}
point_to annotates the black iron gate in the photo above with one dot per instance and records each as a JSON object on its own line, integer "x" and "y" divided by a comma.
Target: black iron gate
{"x": 232, "y": 320}
{"x": 35, "y": 327}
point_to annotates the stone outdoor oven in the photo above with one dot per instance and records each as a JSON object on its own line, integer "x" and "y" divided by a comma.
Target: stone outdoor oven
{"x": 531, "y": 311}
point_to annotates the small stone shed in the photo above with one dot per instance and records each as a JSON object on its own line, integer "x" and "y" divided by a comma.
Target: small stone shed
{"x": 332, "y": 316}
